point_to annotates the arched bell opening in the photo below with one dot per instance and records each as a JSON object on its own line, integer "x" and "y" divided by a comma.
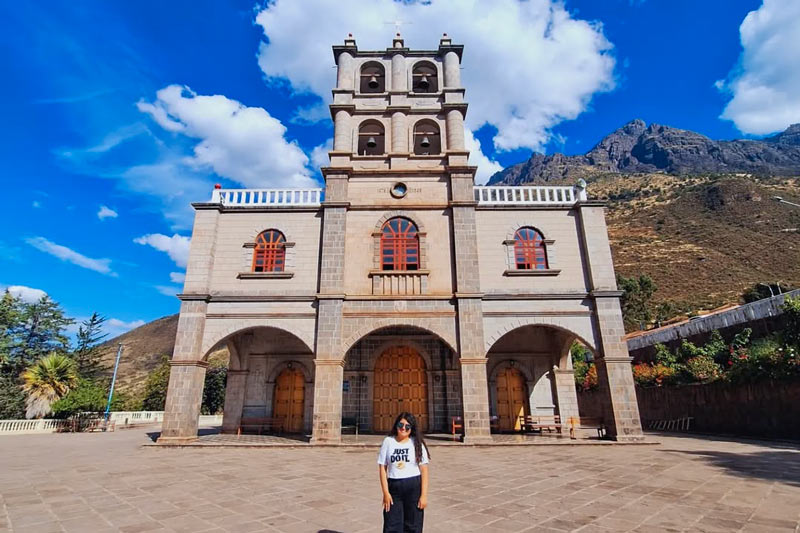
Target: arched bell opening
{"x": 371, "y": 138}
{"x": 373, "y": 78}
{"x": 427, "y": 140}
{"x": 401, "y": 368}
{"x": 425, "y": 78}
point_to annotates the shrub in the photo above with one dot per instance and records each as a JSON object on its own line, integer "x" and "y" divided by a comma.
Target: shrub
{"x": 653, "y": 375}
{"x": 703, "y": 368}
{"x": 89, "y": 397}
{"x": 590, "y": 380}
{"x": 12, "y": 399}
{"x": 791, "y": 313}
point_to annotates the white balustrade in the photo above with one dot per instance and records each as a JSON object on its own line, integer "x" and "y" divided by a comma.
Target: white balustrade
{"x": 537, "y": 195}
{"x": 120, "y": 418}
{"x": 267, "y": 197}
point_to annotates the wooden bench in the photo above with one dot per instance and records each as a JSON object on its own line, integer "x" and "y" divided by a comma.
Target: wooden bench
{"x": 261, "y": 423}
{"x": 540, "y": 423}
{"x": 579, "y": 422}
{"x": 457, "y": 423}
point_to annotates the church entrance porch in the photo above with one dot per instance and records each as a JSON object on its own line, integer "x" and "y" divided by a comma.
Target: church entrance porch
{"x": 401, "y": 368}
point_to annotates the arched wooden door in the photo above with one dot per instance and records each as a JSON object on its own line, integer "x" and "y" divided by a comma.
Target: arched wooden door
{"x": 512, "y": 399}
{"x": 290, "y": 399}
{"x": 400, "y": 384}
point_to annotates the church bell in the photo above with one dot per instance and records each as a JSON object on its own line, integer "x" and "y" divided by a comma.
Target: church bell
{"x": 371, "y": 142}
{"x": 373, "y": 82}
{"x": 424, "y": 83}
{"x": 425, "y": 142}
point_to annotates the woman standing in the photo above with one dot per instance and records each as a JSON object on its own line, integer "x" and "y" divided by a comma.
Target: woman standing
{"x": 403, "y": 467}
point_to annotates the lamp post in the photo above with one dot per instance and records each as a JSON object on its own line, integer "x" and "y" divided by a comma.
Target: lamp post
{"x": 113, "y": 381}
{"x": 782, "y": 201}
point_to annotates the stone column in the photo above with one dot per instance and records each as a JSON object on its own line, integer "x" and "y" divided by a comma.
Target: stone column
{"x": 399, "y": 74}
{"x": 469, "y": 306}
{"x": 399, "y": 133}
{"x": 342, "y": 132}
{"x": 452, "y": 70}
{"x": 614, "y": 372}
{"x": 234, "y": 400}
{"x": 454, "y": 122}
{"x": 566, "y": 394}
{"x": 346, "y": 74}
{"x": 184, "y": 397}
{"x": 329, "y": 359}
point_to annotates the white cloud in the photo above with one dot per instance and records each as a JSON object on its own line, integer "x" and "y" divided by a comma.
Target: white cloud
{"x": 168, "y": 290}
{"x": 177, "y": 277}
{"x": 176, "y": 247}
{"x": 527, "y": 65}
{"x": 766, "y": 83}
{"x": 486, "y": 167}
{"x": 71, "y": 256}
{"x": 319, "y": 155}
{"x": 26, "y": 294}
{"x": 115, "y": 327}
{"x": 35, "y": 204}
{"x": 245, "y": 144}
{"x": 106, "y": 212}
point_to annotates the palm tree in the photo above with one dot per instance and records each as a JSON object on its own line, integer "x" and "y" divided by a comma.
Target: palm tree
{"x": 47, "y": 380}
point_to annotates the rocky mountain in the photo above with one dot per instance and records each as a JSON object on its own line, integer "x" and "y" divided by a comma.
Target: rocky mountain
{"x": 639, "y": 148}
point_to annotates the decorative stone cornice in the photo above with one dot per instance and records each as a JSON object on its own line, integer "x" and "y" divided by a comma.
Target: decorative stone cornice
{"x": 329, "y": 362}
{"x": 473, "y": 360}
{"x": 202, "y": 364}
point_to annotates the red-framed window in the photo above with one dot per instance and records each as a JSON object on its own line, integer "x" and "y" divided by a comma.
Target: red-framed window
{"x": 529, "y": 250}
{"x": 270, "y": 252}
{"x": 399, "y": 245}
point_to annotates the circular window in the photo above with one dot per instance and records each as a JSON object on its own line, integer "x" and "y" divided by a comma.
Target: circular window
{"x": 399, "y": 190}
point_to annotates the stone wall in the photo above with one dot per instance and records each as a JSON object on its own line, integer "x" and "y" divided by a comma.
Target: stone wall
{"x": 769, "y": 409}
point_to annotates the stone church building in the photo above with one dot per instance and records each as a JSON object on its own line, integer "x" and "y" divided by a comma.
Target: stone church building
{"x": 401, "y": 285}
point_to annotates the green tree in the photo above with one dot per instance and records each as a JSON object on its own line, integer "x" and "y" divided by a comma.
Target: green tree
{"x": 87, "y": 397}
{"x": 87, "y": 352}
{"x": 635, "y": 300}
{"x": 214, "y": 390}
{"x": 9, "y": 322}
{"x": 12, "y": 399}
{"x": 791, "y": 314}
{"x": 759, "y": 291}
{"x": 46, "y": 381}
{"x": 40, "y": 332}
{"x": 155, "y": 389}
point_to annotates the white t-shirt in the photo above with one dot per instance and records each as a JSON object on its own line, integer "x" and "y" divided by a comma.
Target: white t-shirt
{"x": 401, "y": 458}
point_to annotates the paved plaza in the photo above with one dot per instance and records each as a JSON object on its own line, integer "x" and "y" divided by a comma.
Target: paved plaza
{"x": 110, "y": 482}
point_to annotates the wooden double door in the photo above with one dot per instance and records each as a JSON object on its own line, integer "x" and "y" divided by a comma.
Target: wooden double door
{"x": 289, "y": 402}
{"x": 512, "y": 399}
{"x": 400, "y": 384}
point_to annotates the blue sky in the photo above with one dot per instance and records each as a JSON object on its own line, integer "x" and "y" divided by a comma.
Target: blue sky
{"x": 117, "y": 115}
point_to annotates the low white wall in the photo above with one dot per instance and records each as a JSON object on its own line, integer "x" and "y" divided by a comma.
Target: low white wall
{"x": 120, "y": 418}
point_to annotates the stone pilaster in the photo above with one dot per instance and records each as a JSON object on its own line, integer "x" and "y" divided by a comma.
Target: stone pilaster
{"x": 234, "y": 400}
{"x": 566, "y": 394}
{"x": 184, "y": 396}
{"x": 614, "y": 373}
{"x": 329, "y": 359}
{"x": 475, "y": 383}
{"x": 327, "y": 423}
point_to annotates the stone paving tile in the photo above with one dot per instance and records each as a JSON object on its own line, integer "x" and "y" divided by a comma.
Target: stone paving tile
{"x": 109, "y": 482}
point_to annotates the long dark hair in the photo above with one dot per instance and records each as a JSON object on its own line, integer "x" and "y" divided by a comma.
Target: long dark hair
{"x": 419, "y": 442}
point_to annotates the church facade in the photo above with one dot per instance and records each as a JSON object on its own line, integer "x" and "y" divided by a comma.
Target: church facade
{"x": 401, "y": 285}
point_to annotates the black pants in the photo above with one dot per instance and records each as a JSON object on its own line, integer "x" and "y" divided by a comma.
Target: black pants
{"x": 403, "y": 515}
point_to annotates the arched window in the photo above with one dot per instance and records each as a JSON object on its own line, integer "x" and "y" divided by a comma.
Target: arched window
{"x": 529, "y": 250}
{"x": 269, "y": 254}
{"x": 373, "y": 79}
{"x": 424, "y": 78}
{"x": 427, "y": 140}
{"x": 399, "y": 245}
{"x": 371, "y": 139}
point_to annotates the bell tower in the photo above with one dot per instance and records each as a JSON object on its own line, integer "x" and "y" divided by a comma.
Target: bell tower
{"x": 399, "y": 158}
